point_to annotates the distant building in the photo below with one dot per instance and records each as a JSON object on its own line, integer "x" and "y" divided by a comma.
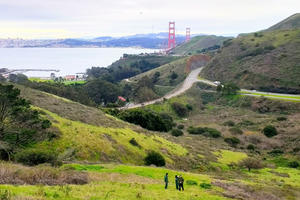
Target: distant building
{"x": 70, "y": 77}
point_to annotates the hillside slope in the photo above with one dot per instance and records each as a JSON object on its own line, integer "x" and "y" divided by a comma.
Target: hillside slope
{"x": 292, "y": 22}
{"x": 198, "y": 44}
{"x": 267, "y": 61}
{"x": 87, "y": 134}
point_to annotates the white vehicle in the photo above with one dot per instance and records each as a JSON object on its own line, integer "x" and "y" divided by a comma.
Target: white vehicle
{"x": 217, "y": 83}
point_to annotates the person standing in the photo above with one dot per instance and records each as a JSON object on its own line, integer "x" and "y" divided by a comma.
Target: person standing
{"x": 166, "y": 181}
{"x": 181, "y": 181}
{"x": 176, "y": 182}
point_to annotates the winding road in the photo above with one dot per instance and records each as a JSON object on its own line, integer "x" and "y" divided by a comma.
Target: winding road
{"x": 193, "y": 78}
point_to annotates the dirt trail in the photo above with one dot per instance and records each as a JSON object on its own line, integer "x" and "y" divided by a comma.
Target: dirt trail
{"x": 187, "y": 84}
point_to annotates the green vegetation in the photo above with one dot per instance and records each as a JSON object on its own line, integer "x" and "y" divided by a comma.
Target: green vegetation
{"x": 265, "y": 61}
{"x": 200, "y": 44}
{"x": 228, "y": 157}
{"x": 206, "y": 131}
{"x": 20, "y": 125}
{"x": 145, "y": 118}
{"x": 176, "y": 132}
{"x": 270, "y": 131}
{"x": 154, "y": 158}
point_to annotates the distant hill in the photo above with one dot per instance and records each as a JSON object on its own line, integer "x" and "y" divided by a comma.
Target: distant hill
{"x": 200, "y": 44}
{"x": 292, "y": 22}
{"x": 267, "y": 60}
{"x": 153, "y": 41}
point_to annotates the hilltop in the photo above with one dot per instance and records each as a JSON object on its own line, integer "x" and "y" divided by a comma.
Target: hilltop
{"x": 267, "y": 60}
{"x": 292, "y": 22}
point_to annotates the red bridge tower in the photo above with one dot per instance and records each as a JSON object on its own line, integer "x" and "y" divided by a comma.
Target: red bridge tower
{"x": 188, "y": 34}
{"x": 171, "y": 42}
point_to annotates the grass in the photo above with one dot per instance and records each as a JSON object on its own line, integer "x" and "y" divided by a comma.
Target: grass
{"x": 120, "y": 182}
{"x": 228, "y": 157}
{"x": 33, "y": 79}
{"x": 295, "y": 98}
{"x": 96, "y": 143}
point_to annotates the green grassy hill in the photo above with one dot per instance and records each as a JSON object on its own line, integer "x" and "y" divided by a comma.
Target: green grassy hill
{"x": 87, "y": 134}
{"x": 267, "y": 61}
{"x": 197, "y": 44}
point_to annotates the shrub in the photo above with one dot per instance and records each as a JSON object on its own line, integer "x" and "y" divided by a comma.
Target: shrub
{"x": 191, "y": 182}
{"x": 270, "y": 47}
{"x": 205, "y": 185}
{"x": 154, "y": 158}
{"x": 269, "y": 131}
{"x": 134, "y": 142}
{"x": 281, "y": 118}
{"x": 189, "y": 107}
{"x": 180, "y": 126}
{"x": 293, "y": 164}
{"x": 251, "y": 147}
{"x": 210, "y": 132}
{"x": 179, "y": 109}
{"x": 35, "y": 156}
{"x": 276, "y": 152}
{"x": 229, "y": 123}
{"x": 147, "y": 119}
{"x": 176, "y": 132}
{"x": 236, "y": 131}
{"x": 251, "y": 163}
{"x": 232, "y": 141}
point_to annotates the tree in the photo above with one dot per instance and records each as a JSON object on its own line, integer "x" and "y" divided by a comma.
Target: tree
{"x": 251, "y": 163}
{"x": 180, "y": 109}
{"x": 9, "y": 103}
{"x": 154, "y": 158}
{"x": 270, "y": 131}
{"x": 101, "y": 91}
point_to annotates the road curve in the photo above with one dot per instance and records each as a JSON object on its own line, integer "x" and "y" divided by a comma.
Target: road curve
{"x": 187, "y": 84}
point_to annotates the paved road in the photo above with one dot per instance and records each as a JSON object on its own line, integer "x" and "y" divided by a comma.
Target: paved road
{"x": 187, "y": 84}
{"x": 193, "y": 78}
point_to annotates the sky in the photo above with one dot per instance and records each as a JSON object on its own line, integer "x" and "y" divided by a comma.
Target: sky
{"x": 47, "y": 19}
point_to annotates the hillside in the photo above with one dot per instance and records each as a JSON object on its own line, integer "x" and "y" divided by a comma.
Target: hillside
{"x": 292, "y": 22}
{"x": 87, "y": 134}
{"x": 200, "y": 44}
{"x": 267, "y": 61}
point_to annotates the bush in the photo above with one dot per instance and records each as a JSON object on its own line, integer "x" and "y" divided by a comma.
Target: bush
{"x": 276, "y": 152}
{"x": 191, "y": 182}
{"x": 179, "y": 109}
{"x": 281, "y": 118}
{"x": 134, "y": 142}
{"x": 293, "y": 164}
{"x": 229, "y": 123}
{"x": 251, "y": 163}
{"x": 176, "y": 132}
{"x": 232, "y": 141}
{"x": 269, "y": 131}
{"x": 154, "y": 158}
{"x": 251, "y": 147}
{"x": 147, "y": 119}
{"x": 236, "y": 131}
{"x": 210, "y": 132}
{"x": 189, "y": 107}
{"x": 205, "y": 185}
{"x": 35, "y": 156}
{"x": 180, "y": 126}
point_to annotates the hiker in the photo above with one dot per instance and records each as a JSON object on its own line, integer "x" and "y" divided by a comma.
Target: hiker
{"x": 176, "y": 182}
{"x": 180, "y": 181}
{"x": 166, "y": 181}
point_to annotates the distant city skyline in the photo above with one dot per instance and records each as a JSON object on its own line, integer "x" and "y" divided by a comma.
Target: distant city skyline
{"x": 35, "y": 19}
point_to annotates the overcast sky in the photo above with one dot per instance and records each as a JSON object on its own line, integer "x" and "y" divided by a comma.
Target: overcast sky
{"x": 92, "y": 18}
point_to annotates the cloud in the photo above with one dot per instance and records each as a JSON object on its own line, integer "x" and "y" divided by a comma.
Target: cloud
{"x": 109, "y": 17}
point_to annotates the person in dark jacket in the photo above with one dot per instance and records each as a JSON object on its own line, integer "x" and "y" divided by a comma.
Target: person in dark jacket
{"x": 176, "y": 182}
{"x": 181, "y": 181}
{"x": 166, "y": 181}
